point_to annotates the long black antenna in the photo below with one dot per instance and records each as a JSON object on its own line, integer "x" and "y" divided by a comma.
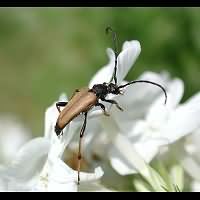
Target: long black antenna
{"x": 150, "y": 82}
{"x": 115, "y": 43}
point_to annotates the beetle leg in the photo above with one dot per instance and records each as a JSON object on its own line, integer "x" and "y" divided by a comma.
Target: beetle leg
{"x": 60, "y": 104}
{"x": 113, "y": 102}
{"x": 80, "y": 144}
{"x": 103, "y": 108}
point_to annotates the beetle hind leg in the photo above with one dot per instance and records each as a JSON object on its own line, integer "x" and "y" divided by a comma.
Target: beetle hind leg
{"x": 80, "y": 145}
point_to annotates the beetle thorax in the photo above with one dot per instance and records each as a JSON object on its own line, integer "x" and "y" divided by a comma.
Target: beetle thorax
{"x": 101, "y": 90}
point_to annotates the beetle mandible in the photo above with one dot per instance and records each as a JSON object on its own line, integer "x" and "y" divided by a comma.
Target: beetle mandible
{"x": 85, "y": 99}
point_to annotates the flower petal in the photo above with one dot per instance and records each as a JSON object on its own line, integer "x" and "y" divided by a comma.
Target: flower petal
{"x": 105, "y": 73}
{"x": 63, "y": 178}
{"x": 98, "y": 173}
{"x": 159, "y": 113}
{"x": 149, "y": 148}
{"x": 126, "y": 59}
{"x": 184, "y": 120}
{"x": 124, "y": 158}
{"x": 29, "y": 160}
{"x": 121, "y": 166}
{"x": 13, "y": 135}
{"x": 134, "y": 101}
{"x": 135, "y": 161}
{"x": 175, "y": 91}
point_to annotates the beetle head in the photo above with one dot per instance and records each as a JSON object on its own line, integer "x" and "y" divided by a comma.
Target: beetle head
{"x": 113, "y": 89}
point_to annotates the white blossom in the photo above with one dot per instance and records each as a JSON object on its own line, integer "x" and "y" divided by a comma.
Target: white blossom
{"x": 146, "y": 122}
{"x": 38, "y": 165}
{"x": 101, "y": 130}
{"x": 162, "y": 125}
{"x": 190, "y": 158}
{"x": 13, "y": 134}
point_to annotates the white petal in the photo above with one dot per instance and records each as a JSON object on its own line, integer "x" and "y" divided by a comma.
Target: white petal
{"x": 175, "y": 92}
{"x": 105, "y": 73}
{"x": 63, "y": 174}
{"x": 98, "y": 173}
{"x": 184, "y": 120}
{"x": 192, "y": 144}
{"x": 157, "y": 117}
{"x": 194, "y": 100}
{"x": 126, "y": 59}
{"x": 149, "y": 148}
{"x": 135, "y": 102}
{"x": 121, "y": 166}
{"x": 123, "y": 152}
{"x": 137, "y": 93}
{"x": 29, "y": 160}
{"x": 13, "y": 134}
{"x": 161, "y": 78}
{"x": 62, "y": 187}
{"x": 63, "y": 178}
{"x": 159, "y": 113}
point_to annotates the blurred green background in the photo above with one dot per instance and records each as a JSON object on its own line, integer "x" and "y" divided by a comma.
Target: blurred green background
{"x": 46, "y": 51}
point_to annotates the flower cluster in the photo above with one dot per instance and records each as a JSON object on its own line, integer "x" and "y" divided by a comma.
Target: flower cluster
{"x": 129, "y": 140}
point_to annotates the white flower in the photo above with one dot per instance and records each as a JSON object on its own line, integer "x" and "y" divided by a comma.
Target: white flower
{"x": 190, "y": 159}
{"x": 146, "y": 122}
{"x": 13, "y": 134}
{"x": 101, "y": 130}
{"x": 162, "y": 125}
{"x": 38, "y": 166}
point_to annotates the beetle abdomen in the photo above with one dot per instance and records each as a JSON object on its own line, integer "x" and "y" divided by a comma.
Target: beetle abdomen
{"x": 82, "y": 101}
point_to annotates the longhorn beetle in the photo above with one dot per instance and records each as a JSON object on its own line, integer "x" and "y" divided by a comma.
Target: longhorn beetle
{"x": 85, "y": 99}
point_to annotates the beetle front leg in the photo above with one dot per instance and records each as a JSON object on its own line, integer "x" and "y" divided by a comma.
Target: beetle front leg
{"x": 60, "y": 104}
{"x": 113, "y": 102}
{"x": 103, "y": 108}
